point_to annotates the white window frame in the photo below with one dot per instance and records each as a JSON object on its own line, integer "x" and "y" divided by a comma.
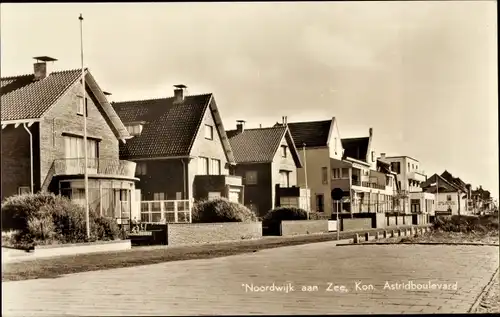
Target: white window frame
{"x": 214, "y": 195}
{"x": 80, "y": 107}
{"x": 342, "y": 170}
{"x": 159, "y": 196}
{"x": 23, "y": 190}
{"x": 215, "y": 167}
{"x": 134, "y": 129}
{"x": 324, "y": 175}
{"x": 204, "y": 165}
{"x": 251, "y": 178}
{"x": 141, "y": 168}
{"x": 284, "y": 151}
{"x": 209, "y": 132}
{"x": 284, "y": 178}
{"x": 336, "y": 173}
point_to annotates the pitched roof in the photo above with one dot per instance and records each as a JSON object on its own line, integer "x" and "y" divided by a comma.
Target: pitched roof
{"x": 444, "y": 185}
{"x": 170, "y": 127}
{"x": 356, "y": 148}
{"x": 256, "y": 145}
{"x": 260, "y": 145}
{"x": 312, "y": 133}
{"x": 24, "y": 98}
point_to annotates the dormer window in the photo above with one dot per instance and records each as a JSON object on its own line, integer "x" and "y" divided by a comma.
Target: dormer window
{"x": 135, "y": 128}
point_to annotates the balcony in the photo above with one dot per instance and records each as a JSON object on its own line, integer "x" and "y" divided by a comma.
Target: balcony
{"x": 367, "y": 184}
{"x": 417, "y": 176}
{"x": 95, "y": 166}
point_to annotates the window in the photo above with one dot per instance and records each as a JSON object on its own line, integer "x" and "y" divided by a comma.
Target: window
{"x": 253, "y": 207}
{"x": 203, "y": 167}
{"x": 415, "y": 205}
{"x": 141, "y": 168}
{"x": 335, "y": 140}
{"x": 448, "y": 197}
{"x": 159, "y": 196}
{"x": 283, "y": 150}
{"x": 213, "y": 195}
{"x": 251, "y": 177}
{"x": 284, "y": 179}
{"x": 396, "y": 167}
{"x": 79, "y": 109}
{"x": 320, "y": 205}
{"x": 335, "y": 173}
{"x": 416, "y": 167}
{"x": 408, "y": 166}
{"x": 345, "y": 173}
{"x": 373, "y": 156}
{"x": 24, "y": 190}
{"x": 209, "y": 132}
{"x": 324, "y": 175}
{"x": 214, "y": 167}
{"x": 134, "y": 129}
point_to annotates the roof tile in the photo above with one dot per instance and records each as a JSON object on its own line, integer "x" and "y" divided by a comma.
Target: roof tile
{"x": 256, "y": 145}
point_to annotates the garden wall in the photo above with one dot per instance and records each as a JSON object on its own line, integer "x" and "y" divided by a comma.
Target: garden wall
{"x": 295, "y": 227}
{"x": 194, "y": 233}
{"x": 380, "y": 220}
{"x": 356, "y": 223}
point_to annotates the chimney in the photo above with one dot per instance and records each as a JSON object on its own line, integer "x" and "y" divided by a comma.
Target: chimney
{"x": 40, "y": 67}
{"x": 370, "y": 131}
{"x": 382, "y": 155}
{"x": 179, "y": 93}
{"x": 240, "y": 125}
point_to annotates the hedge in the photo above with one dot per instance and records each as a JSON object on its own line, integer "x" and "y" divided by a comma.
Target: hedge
{"x": 221, "y": 210}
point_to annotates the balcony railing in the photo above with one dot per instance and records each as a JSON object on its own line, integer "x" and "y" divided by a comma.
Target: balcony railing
{"x": 367, "y": 184}
{"x": 418, "y": 176}
{"x": 166, "y": 211}
{"x": 76, "y": 166}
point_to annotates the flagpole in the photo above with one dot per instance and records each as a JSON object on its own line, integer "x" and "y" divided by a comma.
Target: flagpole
{"x": 305, "y": 174}
{"x": 86, "y": 176}
{"x": 437, "y": 193}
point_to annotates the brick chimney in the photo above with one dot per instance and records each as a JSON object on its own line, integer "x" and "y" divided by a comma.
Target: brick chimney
{"x": 240, "y": 125}
{"x": 179, "y": 93}
{"x": 40, "y": 67}
{"x": 382, "y": 155}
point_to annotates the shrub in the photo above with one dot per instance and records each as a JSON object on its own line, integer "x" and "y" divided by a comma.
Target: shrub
{"x": 272, "y": 220}
{"x": 45, "y": 218}
{"x": 466, "y": 223}
{"x": 221, "y": 210}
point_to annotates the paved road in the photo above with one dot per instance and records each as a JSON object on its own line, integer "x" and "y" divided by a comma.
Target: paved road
{"x": 216, "y": 286}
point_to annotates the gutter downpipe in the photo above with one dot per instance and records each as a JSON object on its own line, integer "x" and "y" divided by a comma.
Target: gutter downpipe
{"x": 31, "y": 156}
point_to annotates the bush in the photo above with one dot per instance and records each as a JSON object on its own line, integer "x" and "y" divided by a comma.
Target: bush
{"x": 466, "y": 223}
{"x": 45, "y": 218}
{"x": 221, "y": 210}
{"x": 272, "y": 220}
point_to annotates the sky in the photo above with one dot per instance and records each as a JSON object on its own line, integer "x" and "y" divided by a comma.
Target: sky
{"x": 422, "y": 74}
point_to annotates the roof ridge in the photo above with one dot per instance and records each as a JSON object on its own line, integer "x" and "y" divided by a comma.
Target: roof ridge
{"x": 316, "y": 121}
{"x": 157, "y": 99}
{"x": 51, "y": 73}
{"x": 265, "y": 128}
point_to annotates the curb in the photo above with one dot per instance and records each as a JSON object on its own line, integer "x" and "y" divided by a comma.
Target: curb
{"x": 485, "y": 291}
{"x": 432, "y": 243}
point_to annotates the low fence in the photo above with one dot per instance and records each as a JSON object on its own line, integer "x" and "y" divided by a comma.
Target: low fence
{"x": 196, "y": 233}
{"x": 296, "y": 227}
{"x": 166, "y": 211}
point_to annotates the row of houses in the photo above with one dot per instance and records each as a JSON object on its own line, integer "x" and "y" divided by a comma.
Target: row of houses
{"x": 147, "y": 155}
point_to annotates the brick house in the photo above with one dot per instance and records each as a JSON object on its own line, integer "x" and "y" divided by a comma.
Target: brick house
{"x": 46, "y": 110}
{"x": 181, "y": 148}
{"x": 345, "y": 163}
{"x": 267, "y": 160}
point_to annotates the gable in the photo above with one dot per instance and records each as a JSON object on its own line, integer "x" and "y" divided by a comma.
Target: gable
{"x": 335, "y": 143}
{"x": 217, "y": 147}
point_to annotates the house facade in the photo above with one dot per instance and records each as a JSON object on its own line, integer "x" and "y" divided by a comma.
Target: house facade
{"x": 349, "y": 164}
{"x": 43, "y": 140}
{"x": 180, "y": 147}
{"x": 448, "y": 196}
{"x": 410, "y": 177}
{"x": 267, "y": 160}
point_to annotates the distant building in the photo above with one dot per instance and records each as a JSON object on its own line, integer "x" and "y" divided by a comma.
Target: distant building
{"x": 449, "y": 196}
